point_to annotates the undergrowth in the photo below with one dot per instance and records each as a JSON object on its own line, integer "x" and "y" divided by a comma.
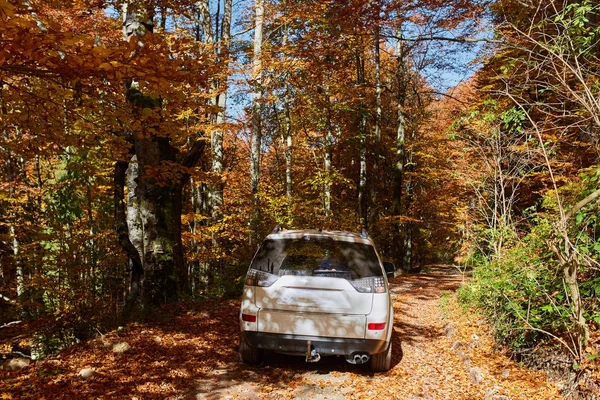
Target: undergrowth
{"x": 522, "y": 293}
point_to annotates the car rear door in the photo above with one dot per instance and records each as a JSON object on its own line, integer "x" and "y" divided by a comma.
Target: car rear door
{"x": 313, "y": 306}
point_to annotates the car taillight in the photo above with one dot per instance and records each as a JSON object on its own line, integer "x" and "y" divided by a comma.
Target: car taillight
{"x": 248, "y": 318}
{"x": 379, "y": 284}
{"x": 376, "y": 326}
{"x": 260, "y": 278}
{"x": 364, "y": 285}
{"x": 369, "y": 285}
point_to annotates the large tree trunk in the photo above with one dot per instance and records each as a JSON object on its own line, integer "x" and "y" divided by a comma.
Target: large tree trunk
{"x": 160, "y": 205}
{"x": 158, "y": 270}
{"x": 154, "y": 245}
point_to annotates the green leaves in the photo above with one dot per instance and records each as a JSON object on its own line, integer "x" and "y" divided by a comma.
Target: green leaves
{"x": 575, "y": 19}
{"x": 513, "y": 119}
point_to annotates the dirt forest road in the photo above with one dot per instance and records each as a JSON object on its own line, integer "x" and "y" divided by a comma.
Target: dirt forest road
{"x": 434, "y": 358}
{"x": 190, "y": 352}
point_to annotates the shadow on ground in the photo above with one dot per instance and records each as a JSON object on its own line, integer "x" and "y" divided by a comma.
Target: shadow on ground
{"x": 277, "y": 372}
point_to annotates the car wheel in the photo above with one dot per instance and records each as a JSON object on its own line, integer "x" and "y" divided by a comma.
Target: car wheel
{"x": 250, "y": 354}
{"x": 382, "y": 362}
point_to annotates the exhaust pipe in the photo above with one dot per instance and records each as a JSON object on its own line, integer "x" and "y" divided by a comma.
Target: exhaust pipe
{"x": 359, "y": 358}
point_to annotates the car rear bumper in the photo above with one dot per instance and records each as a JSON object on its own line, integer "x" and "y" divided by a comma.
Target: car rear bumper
{"x": 298, "y": 344}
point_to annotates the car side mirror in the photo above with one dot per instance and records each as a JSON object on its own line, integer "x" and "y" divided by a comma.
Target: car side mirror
{"x": 390, "y": 268}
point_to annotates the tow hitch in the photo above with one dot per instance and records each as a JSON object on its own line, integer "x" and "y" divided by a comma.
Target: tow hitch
{"x": 311, "y": 353}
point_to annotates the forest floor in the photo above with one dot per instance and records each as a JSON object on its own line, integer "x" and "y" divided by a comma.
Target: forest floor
{"x": 190, "y": 352}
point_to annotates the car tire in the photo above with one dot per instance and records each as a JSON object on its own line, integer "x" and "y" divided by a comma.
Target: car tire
{"x": 250, "y": 354}
{"x": 382, "y": 362}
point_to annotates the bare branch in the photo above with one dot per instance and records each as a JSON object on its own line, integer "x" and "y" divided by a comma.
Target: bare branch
{"x": 445, "y": 39}
{"x": 10, "y": 323}
{"x": 583, "y": 203}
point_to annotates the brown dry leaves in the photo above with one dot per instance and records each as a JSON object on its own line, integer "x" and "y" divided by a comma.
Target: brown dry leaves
{"x": 191, "y": 352}
{"x": 166, "y": 356}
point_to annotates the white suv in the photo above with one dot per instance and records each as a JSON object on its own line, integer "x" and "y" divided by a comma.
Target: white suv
{"x": 317, "y": 293}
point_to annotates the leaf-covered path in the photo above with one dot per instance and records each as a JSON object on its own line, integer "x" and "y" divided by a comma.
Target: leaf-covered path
{"x": 191, "y": 352}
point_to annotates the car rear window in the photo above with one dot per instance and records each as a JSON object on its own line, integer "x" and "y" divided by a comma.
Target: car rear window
{"x": 317, "y": 256}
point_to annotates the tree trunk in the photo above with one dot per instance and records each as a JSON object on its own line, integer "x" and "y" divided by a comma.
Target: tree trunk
{"x": 407, "y": 250}
{"x": 569, "y": 270}
{"x": 11, "y": 269}
{"x": 288, "y": 152}
{"x": 398, "y": 176}
{"x": 204, "y": 11}
{"x": 20, "y": 273}
{"x": 565, "y": 252}
{"x": 20, "y": 270}
{"x": 362, "y": 132}
{"x": 221, "y": 103}
{"x": 378, "y": 117}
{"x": 136, "y": 268}
{"x": 362, "y": 180}
{"x": 158, "y": 270}
{"x": 207, "y": 198}
{"x": 328, "y": 158}
{"x": 160, "y": 205}
{"x": 256, "y": 117}
{"x": 134, "y": 224}
{"x": 569, "y": 265}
